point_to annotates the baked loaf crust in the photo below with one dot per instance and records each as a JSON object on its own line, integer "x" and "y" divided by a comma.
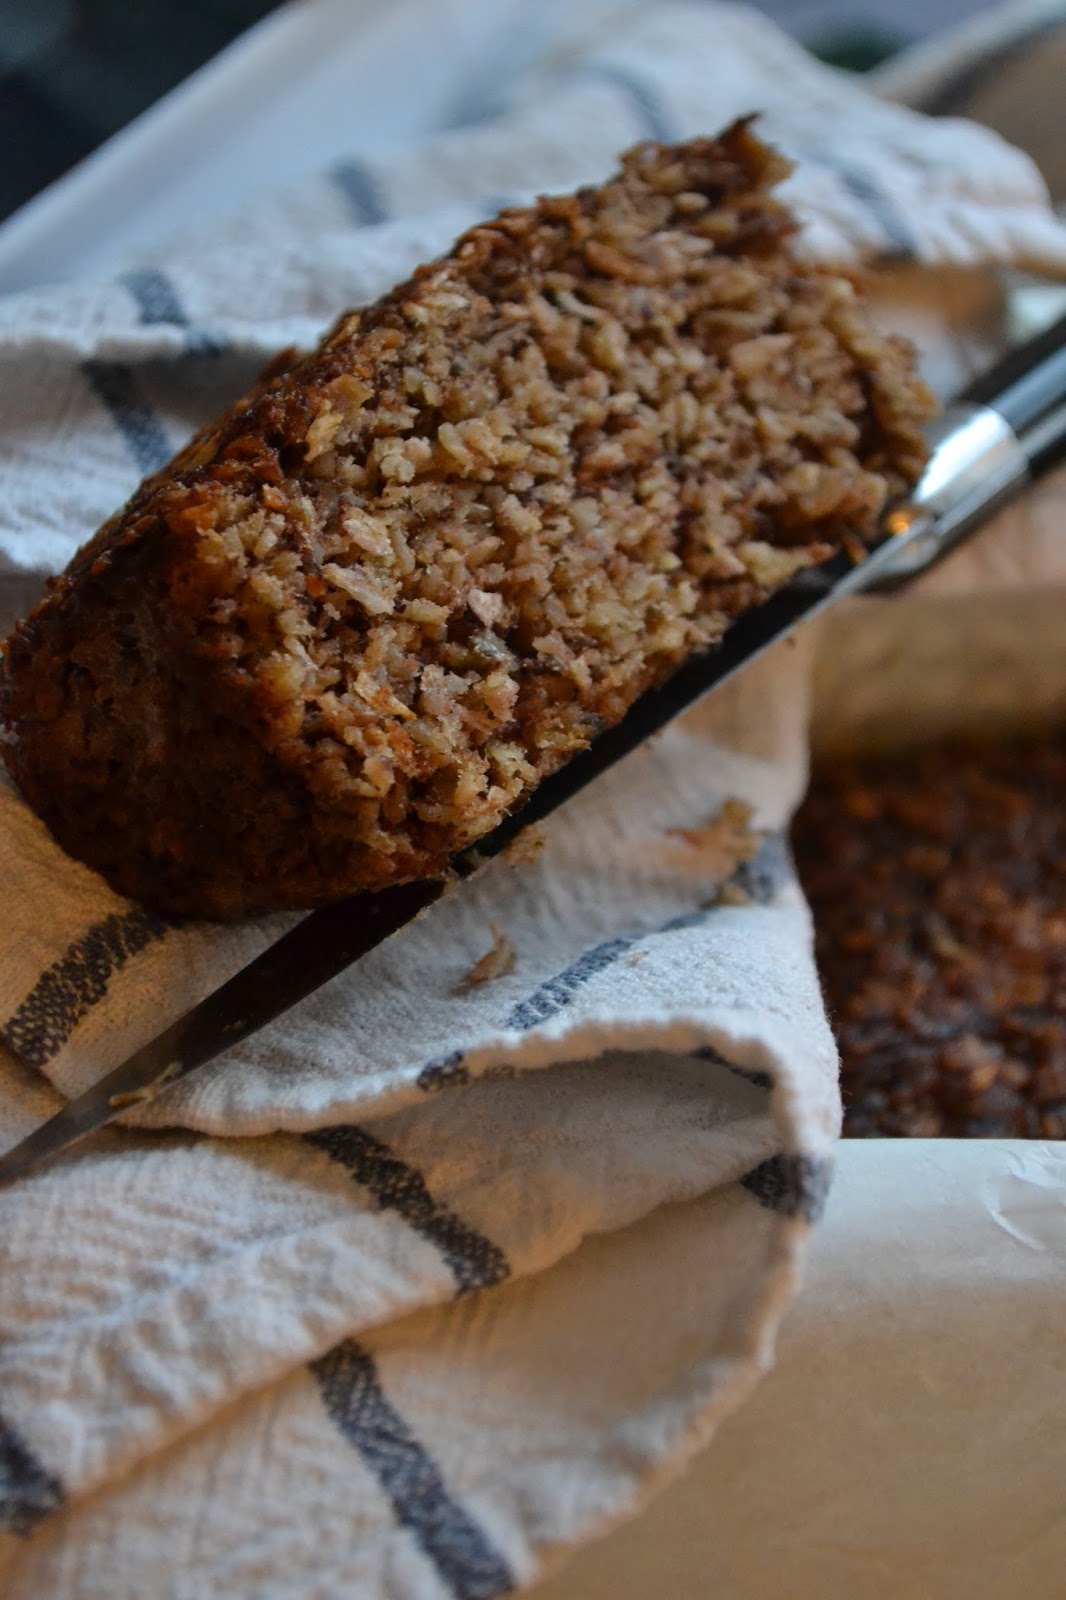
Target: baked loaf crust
{"x": 358, "y": 619}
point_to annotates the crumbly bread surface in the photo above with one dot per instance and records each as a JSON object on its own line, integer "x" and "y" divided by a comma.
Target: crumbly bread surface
{"x": 362, "y": 615}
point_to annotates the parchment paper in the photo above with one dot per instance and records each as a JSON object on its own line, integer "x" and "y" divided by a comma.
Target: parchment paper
{"x": 910, "y": 1443}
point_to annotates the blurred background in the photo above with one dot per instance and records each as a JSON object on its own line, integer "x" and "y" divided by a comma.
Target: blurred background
{"x": 72, "y": 72}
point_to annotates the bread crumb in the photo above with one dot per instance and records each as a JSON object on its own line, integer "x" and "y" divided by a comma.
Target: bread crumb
{"x": 731, "y": 894}
{"x": 527, "y": 846}
{"x": 132, "y": 1097}
{"x": 854, "y": 546}
{"x": 146, "y": 1092}
{"x": 498, "y": 960}
{"x": 723, "y": 844}
{"x": 944, "y": 945}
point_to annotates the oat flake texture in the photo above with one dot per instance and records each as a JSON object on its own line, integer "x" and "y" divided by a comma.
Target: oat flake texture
{"x": 411, "y": 574}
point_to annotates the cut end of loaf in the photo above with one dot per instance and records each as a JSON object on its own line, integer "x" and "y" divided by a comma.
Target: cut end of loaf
{"x": 360, "y": 617}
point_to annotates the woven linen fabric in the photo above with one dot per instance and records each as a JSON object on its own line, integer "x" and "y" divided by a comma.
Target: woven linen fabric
{"x": 429, "y": 1281}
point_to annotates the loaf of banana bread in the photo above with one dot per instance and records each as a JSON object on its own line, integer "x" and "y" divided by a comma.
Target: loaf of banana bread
{"x": 364, "y": 613}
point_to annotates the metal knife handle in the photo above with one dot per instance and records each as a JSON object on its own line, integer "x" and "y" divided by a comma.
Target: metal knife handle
{"x": 1003, "y": 431}
{"x": 1028, "y": 390}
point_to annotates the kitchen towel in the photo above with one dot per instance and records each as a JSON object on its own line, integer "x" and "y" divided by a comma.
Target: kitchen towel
{"x": 443, "y": 1272}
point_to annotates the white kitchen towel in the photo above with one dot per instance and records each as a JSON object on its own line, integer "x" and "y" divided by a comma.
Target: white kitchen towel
{"x": 492, "y": 1258}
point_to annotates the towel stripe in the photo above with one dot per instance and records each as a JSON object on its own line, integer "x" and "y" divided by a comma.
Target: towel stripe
{"x": 796, "y": 1186}
{"x": 768, "y": 871}
{"x": 139, "y": 426}
{"x": 475, "y": 1261}
{"x": 27, "y": 1491}
{"x": 655, "y": 123}
{"x": 361, "y": 189}
{"x": 444, "y": 1072}
{"x": 160, "y": 305}
{"x": 79, "y": 980}
{"x": 762, "y": 878}
{"x": 551, "y": 997}
{"x": 758, "y": 1080}
{"x": 156, "y": 296}
{"x": 901, "y": 242}
{"x": 687, "y": 919}
{"x": 459, "y": 1549}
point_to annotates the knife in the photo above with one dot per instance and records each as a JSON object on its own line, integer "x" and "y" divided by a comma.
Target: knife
{"x": 1001, "y": 433}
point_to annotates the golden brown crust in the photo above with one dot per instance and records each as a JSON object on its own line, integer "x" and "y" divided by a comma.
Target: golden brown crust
{"x": 358, "y": 618}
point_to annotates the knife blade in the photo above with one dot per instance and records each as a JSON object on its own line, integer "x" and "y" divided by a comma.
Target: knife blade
{"x": 1000, "y": 434}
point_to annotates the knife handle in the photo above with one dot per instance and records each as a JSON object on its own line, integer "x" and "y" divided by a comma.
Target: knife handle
{"x": 1028, "y": 390}
{"x": 1003, "y": 431}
